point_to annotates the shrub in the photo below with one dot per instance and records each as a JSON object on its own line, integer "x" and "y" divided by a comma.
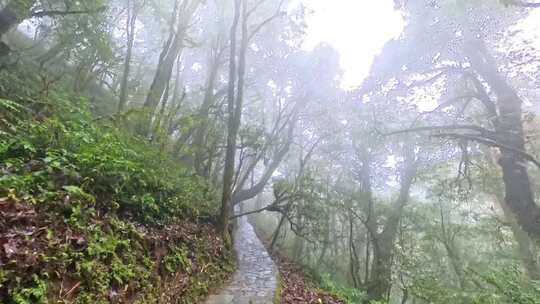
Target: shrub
{"x": 68, "y": 152}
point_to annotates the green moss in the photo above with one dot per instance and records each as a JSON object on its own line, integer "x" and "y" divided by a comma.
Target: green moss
{"x": 177, "y": 260}
{"x": 35, "y": 293}
{"x": 110, "y": 258}
{"x": 279, "y": 290}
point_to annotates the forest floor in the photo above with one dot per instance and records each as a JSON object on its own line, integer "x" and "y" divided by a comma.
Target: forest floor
{"x": 90, "y": 213}
{"x": 43, "y": 257}
{"x": 296, "y": 287}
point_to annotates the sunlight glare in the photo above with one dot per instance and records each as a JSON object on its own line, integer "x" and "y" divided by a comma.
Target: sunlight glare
{"x": 357, "y": 29}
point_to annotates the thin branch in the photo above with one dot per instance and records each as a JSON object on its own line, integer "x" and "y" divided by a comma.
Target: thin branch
{"x": 367, "y": 223}
{"x": 426, "y": 81}
{"x": 40, "y": 14}
{"x": 483, "y": 96}
{"x": 267, "y": 208}
{"x": 304, "y": 160}
{"x": 484, "y": 132}
{"x": 448, "y": 103}
{"x": 277, "y": 14}
{"x": 440, "y": 72}
{"x": 296, "y": 229}
{"x": 255, "y": 7}
{"x": 492, "y": 143}
{"x": 273, "y": 207}
{"x": 525, "y": 3}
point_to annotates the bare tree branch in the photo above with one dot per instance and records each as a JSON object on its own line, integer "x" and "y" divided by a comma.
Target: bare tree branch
{"x": 446, "y": 104}
{"x": 484, "y": 132}
{"x": 255, "y": 7}
{"x": 277, "y": 14}
{"x": 427, "y": 80}
{"x": 524, "y": 3}
{"x": 40, "y": 14}
{"x": 271, "y": 207}
{"x": 483, "y": 96}
{"x": 492, "y": 143}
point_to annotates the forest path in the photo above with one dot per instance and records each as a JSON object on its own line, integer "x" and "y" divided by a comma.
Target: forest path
{"x": 255, "y": 280}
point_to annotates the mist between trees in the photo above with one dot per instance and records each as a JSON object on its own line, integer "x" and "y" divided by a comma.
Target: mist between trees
{"x": 417, "y": 186}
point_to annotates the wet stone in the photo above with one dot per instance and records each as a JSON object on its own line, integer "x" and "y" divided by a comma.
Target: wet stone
{"x": 255, "y": 280}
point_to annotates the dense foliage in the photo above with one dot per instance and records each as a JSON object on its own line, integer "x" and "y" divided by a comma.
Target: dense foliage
{"x": 91, "y": 214}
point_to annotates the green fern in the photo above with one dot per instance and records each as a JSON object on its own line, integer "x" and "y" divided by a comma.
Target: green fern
{"x": 11, "y": 106}
{"x": 11, "y": 114}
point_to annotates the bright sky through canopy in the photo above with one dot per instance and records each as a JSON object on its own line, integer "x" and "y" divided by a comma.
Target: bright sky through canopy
{"x": 357, "y": 29}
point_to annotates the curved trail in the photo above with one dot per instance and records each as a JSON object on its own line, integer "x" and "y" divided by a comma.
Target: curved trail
{"x": 255, "y": 280}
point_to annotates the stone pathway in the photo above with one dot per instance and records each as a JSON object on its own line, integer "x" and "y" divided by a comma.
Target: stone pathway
{"x": 255, "y": 280}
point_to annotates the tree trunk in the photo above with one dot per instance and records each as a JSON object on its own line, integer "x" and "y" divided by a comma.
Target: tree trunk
{"x": 326, "y": 241}
{"x": 509, "y": 131}
{"x": 525, "y": 249}
{"x": 239, "y": 194}
{"x": 298, "y": 248}
{"x": 405, "y": 296}
{"x": 353, "y": 255}
{"x": 204, "y": 111}
{"x": 232, "y": 127}
{"x": 454, "y": 258}
{"x": 177, "y": 101}
{"x": 160, "y": 134}
{"x": 378, "y": 287}
{"x": 130, "y": 32}
{"x": 381, "y": 271}
{"x": 275, "y": 235}
{"x": 367, "y": 261}
{"x": 168, "y": 56}
{"x": 244, "y": 194}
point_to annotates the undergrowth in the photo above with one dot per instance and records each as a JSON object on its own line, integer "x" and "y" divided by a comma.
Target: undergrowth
{"x": 89, "y": 213}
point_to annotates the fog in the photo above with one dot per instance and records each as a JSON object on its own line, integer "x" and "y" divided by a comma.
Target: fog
{"x": 388, "y": 149}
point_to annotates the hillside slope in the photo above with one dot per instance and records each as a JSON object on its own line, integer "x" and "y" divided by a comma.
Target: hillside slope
{"x": 89, "y": 213}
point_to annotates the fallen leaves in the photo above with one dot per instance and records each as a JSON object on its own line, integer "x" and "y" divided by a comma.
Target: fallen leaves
{"x": 296, "y": 288}
{"x": 34, "y": 239}
{"x": 18, "y": 227}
